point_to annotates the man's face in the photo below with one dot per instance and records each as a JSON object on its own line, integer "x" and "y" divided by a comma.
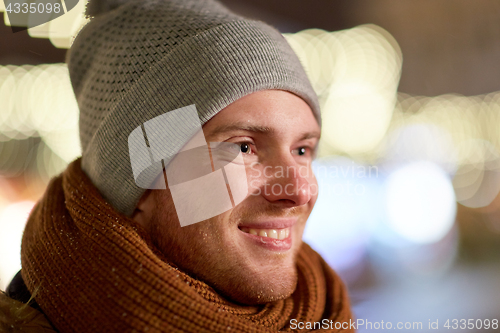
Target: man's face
{"x": 248, "y": 253}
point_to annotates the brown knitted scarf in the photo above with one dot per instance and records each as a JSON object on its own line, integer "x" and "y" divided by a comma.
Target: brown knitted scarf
{"x": 98, "y": 272}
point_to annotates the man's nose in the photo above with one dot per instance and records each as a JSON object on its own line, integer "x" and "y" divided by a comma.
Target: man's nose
{"x": 287, "y": 182}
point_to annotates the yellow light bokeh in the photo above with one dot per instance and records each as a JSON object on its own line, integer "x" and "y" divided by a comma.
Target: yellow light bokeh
{"x": 355, "y": 73}
{"x": 39, "y": 101}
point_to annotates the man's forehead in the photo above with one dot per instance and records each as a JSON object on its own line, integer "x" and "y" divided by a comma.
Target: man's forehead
{"x": 271, "y": 113}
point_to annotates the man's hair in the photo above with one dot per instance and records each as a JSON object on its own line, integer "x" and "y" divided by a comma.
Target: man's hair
{"x": 15, "y": 314}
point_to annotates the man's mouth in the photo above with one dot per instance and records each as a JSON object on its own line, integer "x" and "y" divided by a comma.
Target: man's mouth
{"x": 272, "y": 233}
{"x": 269, "y": 233}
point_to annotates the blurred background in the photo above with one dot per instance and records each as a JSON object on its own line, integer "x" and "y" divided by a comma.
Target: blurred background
{"x": 409, "y": 164}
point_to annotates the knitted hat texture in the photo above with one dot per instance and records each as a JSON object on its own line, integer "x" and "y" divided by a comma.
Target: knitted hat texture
{"x": 136, "y": 60}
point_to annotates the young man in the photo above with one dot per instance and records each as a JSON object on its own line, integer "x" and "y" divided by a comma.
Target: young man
{"x": 105, "y": 249}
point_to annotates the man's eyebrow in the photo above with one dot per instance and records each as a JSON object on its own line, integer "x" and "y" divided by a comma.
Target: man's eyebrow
{"x": 259, "y": 129}
{"x": 242, "y": 127}
{"x": 310, "y": 135}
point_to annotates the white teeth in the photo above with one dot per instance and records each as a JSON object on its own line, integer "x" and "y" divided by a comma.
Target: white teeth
{"x": 282, "y": 234}
{"x": 270, "y": 233}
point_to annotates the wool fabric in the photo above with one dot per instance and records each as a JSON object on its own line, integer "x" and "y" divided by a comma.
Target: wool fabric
{"x": 136, "y": 60}
{"x": 96, "y": 270}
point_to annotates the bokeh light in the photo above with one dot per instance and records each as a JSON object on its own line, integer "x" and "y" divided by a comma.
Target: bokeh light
{"x": 420, "y": 202}
{"x": 39, "y": 101}
{"x": 12, "y": 221}
{"x": 458, "y": 133}
{"x": 355, "y": 73}
{"x": 38, "y": 120}
{"x": 346, "y": 211}
{"x": 420, "y": 141}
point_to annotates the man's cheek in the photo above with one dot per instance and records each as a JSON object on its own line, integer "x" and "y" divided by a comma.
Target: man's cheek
{"x": 314, "y": 188}
{"x": 255, "y": 179}
{"x": 254, "y": 187}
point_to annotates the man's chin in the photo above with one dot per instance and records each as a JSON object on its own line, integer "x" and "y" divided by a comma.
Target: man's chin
{"x": 258, "y": 290}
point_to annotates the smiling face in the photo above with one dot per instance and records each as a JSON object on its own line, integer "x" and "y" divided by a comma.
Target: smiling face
{"x": 248, "y": 253}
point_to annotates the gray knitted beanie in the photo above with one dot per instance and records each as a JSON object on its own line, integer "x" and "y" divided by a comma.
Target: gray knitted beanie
{"x": 136, "y": 60}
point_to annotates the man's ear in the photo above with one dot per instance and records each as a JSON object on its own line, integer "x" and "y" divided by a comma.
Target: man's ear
{"x": 144, "y": 209}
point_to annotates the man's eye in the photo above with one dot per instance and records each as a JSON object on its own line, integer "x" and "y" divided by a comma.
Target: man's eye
{"x": 301, "y": 151}
{"x": 245, "y": 148}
